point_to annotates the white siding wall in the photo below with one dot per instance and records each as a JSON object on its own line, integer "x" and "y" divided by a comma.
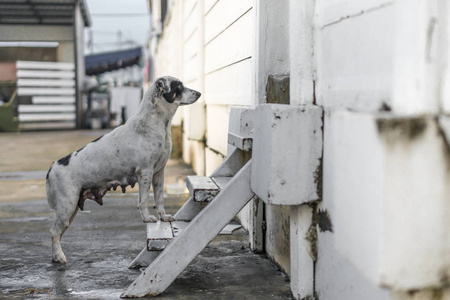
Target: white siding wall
{"x": 194, "y": 117}
{"x": 179, "y": 54}
{"x": 229, "y": 79}
{"x": 198, "y": 45}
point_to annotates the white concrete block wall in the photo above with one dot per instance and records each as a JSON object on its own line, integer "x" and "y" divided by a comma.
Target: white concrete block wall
{"x": 421, "y": 56}
{"x": 354, "y": 50}
{"x": 371, "y": 185}
{"x": 415, "y": 203}
{"x": 390, "y": 227}
{"x": 349, "y": 255}
{"x": 385, "y": 200}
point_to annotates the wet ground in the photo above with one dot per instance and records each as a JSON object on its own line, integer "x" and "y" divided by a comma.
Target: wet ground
{"x": 103, "y": 240}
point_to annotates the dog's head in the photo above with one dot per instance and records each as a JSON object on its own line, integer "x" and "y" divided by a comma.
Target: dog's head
{"x": 172, "y": 90}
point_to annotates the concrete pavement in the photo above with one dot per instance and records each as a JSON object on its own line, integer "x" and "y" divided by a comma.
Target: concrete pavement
{"x": 103, "y": 240}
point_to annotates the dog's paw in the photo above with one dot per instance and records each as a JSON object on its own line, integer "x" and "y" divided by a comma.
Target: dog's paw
{"x": 150, "y": 219}
{"x": 167, "y": 218}
{"x": 59, "y": 258}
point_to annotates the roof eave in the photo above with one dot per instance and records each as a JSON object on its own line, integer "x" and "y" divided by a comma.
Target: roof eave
{"x": 85, "y": 13}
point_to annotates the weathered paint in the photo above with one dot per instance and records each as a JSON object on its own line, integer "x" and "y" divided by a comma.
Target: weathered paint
{"x": 202, "y": 188}
{"x": 398, "y": 167}
{"x": 277, "y": 89}
{"x": 303, "y": 249}
{"x": 240, "y": 142}
{"x": 277, "y": 236}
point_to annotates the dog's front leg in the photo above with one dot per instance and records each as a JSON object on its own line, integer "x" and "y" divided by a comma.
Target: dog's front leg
{"x": 158, "y": 190}
{"x": 144, "y": 180}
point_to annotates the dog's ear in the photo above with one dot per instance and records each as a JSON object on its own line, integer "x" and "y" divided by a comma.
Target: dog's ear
{"x": 162, "y": 86}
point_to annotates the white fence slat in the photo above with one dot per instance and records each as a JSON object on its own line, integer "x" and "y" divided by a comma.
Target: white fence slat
{"x": 46, "y": 117}
{"x": 45, "y": 91}
{"x": 48, "y": 125}
{"x": 50, "y": 84}
{"x": 46, "y": 108}
{"x": 45, "y": 74}
{"x": 44, "y": 65}
{"x": 52, "y": 100}
{"x": 45, "y": 82}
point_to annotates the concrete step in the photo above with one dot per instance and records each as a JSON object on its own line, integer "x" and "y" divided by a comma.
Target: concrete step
{"x": 160, "y": 234}
{"x": 203, "y": 188}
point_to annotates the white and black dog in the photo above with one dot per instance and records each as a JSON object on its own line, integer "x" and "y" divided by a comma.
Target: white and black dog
{"x": 135, "y": 152}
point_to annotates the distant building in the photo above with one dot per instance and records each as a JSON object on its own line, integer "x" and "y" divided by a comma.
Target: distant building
{"x": 42, "y": 55}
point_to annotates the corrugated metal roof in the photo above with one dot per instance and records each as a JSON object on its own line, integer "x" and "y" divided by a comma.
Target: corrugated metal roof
{"x": 103, "y": 62}
{"x": 41, "y": 12}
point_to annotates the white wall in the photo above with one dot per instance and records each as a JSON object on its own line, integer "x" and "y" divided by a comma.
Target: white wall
{"x": 379, "y": 68}
{"x": 385, "y": 56}
{"x": 354, "y": 50}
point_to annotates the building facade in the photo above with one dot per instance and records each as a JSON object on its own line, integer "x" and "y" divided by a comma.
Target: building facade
{"x": 42, "y": 54}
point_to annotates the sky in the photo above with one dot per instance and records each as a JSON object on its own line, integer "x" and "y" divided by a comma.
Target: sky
{"x": 129, "y": 17}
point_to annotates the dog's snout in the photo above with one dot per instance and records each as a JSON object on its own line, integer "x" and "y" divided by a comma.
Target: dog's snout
{"x": 197, "y": 94}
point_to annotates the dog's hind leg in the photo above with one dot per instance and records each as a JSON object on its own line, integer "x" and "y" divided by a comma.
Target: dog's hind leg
{"x": 65, "y": 213}
{"x": 144, "y": 180}
{"x": 71, "y": 219}
{"x": 158, "y": 190}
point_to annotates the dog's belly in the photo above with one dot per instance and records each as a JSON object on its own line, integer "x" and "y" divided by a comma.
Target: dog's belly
{"x": 95, "y": 190}
{"x": 109, "y": 179}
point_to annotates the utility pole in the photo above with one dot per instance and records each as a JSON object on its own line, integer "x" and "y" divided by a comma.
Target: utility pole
{"x": 91, "y": 41}
{"x": 119, "y": 38}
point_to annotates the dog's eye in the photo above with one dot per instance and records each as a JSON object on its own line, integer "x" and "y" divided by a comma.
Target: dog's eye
{"x": 179, "y": 90}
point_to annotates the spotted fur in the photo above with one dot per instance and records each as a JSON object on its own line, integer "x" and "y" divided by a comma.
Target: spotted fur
{"x": 136, "y": 152}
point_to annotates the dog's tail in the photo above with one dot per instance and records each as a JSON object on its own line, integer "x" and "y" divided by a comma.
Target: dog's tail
{"x": 48, "y": 187}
